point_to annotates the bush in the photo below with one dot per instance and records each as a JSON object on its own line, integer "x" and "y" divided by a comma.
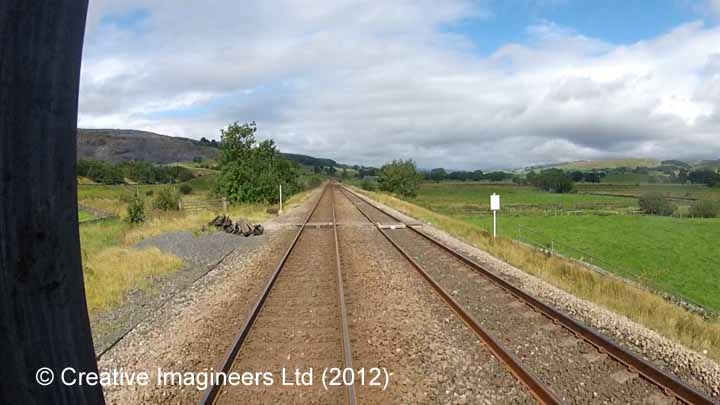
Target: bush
{"x": 136, "y": 210}
{"x": 251, "y": 171}
{"x": 656, "y": 204}
{"x": 704, "y": 209}
{"x": 167, "y": 199}
{"x": 149, "y": 193}
{"x": 400, "y": 177}
{"x": 368, "y": 185}
{"x": 185, "y": 189}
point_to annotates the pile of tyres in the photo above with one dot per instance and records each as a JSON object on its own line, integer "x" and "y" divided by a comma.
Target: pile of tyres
{"x": 239, "y": 227}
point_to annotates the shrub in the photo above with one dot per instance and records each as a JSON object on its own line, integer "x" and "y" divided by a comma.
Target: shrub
{"x": 185, "y": 189}
{"x": 251, "y": 171}
{"x": 167, "y": 199}
{"x": 656, "y": 204}
{"x": 368, "y": 185}
{"x": 704, "y": 209}
{"x": 149, "y": 192}
{"x": 136, "y": 211}
{"x": 400, "y": 177}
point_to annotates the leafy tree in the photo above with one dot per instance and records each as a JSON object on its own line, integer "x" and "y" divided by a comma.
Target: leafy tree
{"x": 438, "y": 175}
{"x": 552, "y": 180}
{"x": 498, "y": 176}
{"x": 368, "y": 185}
{"x": 577, "y": 176}
{"x": 704, "y": 209}
{"x": 251, "y": 171}
{"x": 400, "y": 177}
{"x": 656, "y": 204}
{"x": 477, "y": 175}
{"x": 708, "y": 177}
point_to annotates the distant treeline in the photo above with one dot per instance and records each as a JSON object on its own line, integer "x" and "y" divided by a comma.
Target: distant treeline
{"x": 138, "y": 172}
{"x": 441, "y": 174}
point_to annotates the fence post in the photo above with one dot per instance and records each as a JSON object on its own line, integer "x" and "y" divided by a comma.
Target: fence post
{"x": 180, "y": 205}
{"x": 224, "y": 202}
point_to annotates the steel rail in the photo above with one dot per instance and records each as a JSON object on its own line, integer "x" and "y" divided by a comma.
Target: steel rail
{"x": 671, "y": 385}
{"x": 537, "y": 388}
{"x": 212, "y": 390}
{"x": 347, "y": 353}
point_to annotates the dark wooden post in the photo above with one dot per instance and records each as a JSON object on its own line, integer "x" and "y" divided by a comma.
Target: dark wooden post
{"x": 43, "y": 316}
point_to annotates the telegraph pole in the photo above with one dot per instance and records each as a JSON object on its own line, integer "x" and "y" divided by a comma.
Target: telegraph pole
{"x": 43, "y": 314}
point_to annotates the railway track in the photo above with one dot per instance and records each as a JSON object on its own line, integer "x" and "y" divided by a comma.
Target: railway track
{"x": 557, "y": 358}
{"x": 299, "y": 322}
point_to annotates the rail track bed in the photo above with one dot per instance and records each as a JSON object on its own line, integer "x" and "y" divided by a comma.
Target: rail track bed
{"x": 398, "y": 323}
{"x": 299, "y": 325}
{"x": 352, "y": 292}
{"x": 576, "y": 369}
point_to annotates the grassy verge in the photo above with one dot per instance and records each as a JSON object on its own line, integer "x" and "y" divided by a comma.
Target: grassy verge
{"x": 112, "y": 267}
{"x": 635, "y": 303}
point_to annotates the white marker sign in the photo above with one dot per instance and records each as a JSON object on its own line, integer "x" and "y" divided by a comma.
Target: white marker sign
{"x": 495, "y": 202}
{"x": 495, "y": 207}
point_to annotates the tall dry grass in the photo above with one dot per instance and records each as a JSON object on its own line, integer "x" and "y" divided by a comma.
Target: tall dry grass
{"x": 638, "y": 304}
{"x": 114, "y": 271}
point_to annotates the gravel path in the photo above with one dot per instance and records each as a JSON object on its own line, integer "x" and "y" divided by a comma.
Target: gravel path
{"x": 693, "y": 367}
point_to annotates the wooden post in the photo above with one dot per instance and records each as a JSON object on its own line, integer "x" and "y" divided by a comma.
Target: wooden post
{"x": 224, "y": 202}
{"x": 280, "y": 211}
{"x": 43, "y": 314}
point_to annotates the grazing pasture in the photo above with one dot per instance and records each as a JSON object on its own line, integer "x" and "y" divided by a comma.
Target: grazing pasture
{"x": 676, "y": 255}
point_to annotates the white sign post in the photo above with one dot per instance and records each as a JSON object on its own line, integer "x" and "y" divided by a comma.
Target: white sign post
{"x": 495, "y": 207}
{"x": 280, "y": 210}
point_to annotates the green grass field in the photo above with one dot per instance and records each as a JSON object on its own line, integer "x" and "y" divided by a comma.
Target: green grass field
{"x": 84, "y": 215}
{"x": 675, "y": 255}
{"x": 671, "y": 190}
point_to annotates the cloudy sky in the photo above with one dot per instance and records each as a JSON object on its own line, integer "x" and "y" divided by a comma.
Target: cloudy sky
{"x": 456, "y": 83}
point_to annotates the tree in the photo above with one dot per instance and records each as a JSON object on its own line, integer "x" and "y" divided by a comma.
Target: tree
{"x": 400, "y": 177}
{"x": 477, "y": 175}
{"x": 656, "y": 204}
{"x": 251, "y": 171}
{"x": 552, "y": 180}
{"x": 708, "y": 177}
{"x": 704, "y": 209}
{"x": 577, "y": 176}
{"x": 438, "y": 175}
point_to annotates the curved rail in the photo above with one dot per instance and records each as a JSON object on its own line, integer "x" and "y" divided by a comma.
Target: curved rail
{"x": 537, "y": 388}
{"x": 671, "y": 385}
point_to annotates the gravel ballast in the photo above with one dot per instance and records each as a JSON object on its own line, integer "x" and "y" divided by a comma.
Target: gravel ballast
{"x": 691, "y": 366}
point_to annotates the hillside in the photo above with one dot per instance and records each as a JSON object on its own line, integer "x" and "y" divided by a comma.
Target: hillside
{"x": 599, "y": 164}
{"x": 122, "y": 145}
{"x": 119, "y": 145}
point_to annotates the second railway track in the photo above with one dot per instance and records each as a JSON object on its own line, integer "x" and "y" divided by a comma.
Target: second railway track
{"x": 578, "y": 364}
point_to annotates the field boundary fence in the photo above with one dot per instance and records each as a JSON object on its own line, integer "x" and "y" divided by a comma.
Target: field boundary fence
{"x": 539, "y": 241}
{"x": 547, "y": 209}
{"x": 100, "y": 215}
{"x": 201, "y": 205}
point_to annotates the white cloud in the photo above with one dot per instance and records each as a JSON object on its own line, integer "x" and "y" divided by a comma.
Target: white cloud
{"x": 366, "y": 82}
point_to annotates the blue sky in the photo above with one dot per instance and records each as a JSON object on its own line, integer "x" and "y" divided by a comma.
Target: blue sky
{"x": 615, "y": 21}
{"x": 457, "y": 83}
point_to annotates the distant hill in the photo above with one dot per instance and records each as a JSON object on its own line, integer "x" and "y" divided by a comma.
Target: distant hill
{"x": 120, "y": 145}
{"x": 599, "y": 164}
